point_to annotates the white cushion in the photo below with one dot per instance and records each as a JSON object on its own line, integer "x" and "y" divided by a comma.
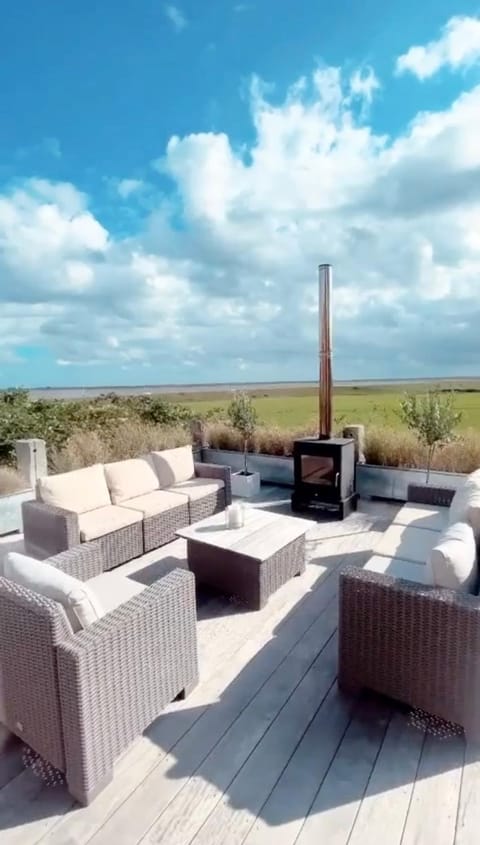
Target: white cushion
{"x": 422, "y": 516}
{"x": 157, "y": 502}
{"x": 105, "y": 520}
{"x": 197, "y": 488}
{"x": 174, "y": 465}
{"x": 111, "y": 589}
{"x": 400, "y": 568}
{"x": 79, "y": 491}
{"x": 80, "y": 604}
{"x": 407, "y": 543}
{"x": 127, "y": 479}
{"x": 465, "y": 505}
{"x": 453, "y": 560}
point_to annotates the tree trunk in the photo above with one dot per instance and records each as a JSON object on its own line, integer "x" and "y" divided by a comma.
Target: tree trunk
{"x": 429, "y": 460}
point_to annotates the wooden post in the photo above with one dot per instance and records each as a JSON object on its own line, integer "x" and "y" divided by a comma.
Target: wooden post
{"x": 31, "y": 459}
{"x": 357, "y": 433}
{"x": 199, "y": 437}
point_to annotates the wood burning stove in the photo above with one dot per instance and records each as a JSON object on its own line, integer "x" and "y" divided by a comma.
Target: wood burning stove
{"x": 324, "y": 476}
{"x": 324, "y": 468}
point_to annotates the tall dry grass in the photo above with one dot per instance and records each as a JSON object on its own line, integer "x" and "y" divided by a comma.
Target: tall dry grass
{"x": 11, "y": 481}
{"x": 397, "y": 448}
{"x": 129, "y": 439}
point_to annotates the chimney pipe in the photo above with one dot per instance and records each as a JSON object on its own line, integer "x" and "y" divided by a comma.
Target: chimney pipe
{"x": 325, "y": 348}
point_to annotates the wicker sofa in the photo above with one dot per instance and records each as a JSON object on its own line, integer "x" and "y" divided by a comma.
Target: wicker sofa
{"x": 129, "y": 507}
{"x": 403, "y": 634}
{"x": 79, "y": 697}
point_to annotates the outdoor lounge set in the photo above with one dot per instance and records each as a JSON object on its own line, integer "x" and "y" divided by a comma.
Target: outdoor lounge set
{"x": 89, "y": 657}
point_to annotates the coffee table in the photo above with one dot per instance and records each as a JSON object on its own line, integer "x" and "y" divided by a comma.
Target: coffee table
{"x": 247, "y": 564}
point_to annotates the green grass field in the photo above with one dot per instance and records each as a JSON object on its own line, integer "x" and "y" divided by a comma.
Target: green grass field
{"x": 297, "y": 407}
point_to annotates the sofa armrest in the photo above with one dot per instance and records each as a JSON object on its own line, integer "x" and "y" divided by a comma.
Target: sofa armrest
{"x": 414, "y": 643}
{"x": 83, "y": 562}
{"x": 47, "y": 529}
{"x": 116, "y": 676}
{"x": 217, "y": 471}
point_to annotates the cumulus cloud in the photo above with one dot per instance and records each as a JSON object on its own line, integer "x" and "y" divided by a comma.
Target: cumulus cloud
{"x": 222, "y": 277}
{"x": 175, "y": 16}
{"x": 127, "y": 187}
{"x": 457, "y": 47}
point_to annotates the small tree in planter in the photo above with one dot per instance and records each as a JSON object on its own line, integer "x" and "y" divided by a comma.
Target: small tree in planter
{"x": 243, "y": 418}
{"x": 433, "y": 417}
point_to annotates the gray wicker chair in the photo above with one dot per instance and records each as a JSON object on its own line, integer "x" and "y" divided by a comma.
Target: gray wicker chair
{"x": 49, "y": 530}
{"x": 417, "y": 644}
{"x": 79, "y": 700}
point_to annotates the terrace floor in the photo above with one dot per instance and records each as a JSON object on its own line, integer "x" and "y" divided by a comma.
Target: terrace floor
{"x": 265, "y": 749}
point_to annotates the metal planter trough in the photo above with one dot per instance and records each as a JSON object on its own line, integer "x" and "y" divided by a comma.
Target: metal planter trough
{"x": 11, "y": 511}
{"x": 371, "y": 481}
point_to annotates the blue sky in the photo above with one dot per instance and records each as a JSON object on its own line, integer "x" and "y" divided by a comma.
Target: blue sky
{"x": 171, "y": 174}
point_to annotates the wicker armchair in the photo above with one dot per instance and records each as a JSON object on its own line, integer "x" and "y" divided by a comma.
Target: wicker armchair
{"x": 414, "y": 643}
{"x": 78, "y": 700}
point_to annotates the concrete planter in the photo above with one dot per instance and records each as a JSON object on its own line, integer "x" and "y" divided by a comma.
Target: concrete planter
{"x": 11, "y": 511}
{"x": 380, "y": 482}
{"x": 245, "y": 485}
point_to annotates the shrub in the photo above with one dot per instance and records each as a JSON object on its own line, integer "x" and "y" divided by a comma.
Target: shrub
{"x": 243, "y": 417}
{"x": 433, "y": 417}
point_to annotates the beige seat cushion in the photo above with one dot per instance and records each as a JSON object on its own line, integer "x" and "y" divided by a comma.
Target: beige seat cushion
{"x": 422, "y": 516}
{"x": 111, "y": 589}
{"x": 400, "y": 568}
{"x": 407, "y": 542}
{"x": 105, "y": 520}
{"x": 197, "y": 488}
{"x": 453, "y": 560}
{"x": 174, "y": 465}
{"x": 127, "y": 479}
{"x": 157, "y": 502}
{"x": 79, "y": 491}
{"x": 79, "y": 602}
{"x": 465, "y": 506}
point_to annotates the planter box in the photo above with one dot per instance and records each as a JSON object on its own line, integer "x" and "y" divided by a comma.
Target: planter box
{"x": 392, "y": 482}
{"x": 245, "y": 485}
{"x": 380, "y": 482}
{"x": 11, "y": 511}
{"x": 273, "y": 469}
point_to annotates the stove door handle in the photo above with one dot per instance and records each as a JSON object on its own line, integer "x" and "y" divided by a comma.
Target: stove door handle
{"x": 337, "y": 479}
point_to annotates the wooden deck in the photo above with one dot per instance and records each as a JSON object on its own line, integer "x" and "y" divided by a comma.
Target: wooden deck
{"x": 265, "y": 751}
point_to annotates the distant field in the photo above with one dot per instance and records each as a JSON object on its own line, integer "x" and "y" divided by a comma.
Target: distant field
{"x": 296, "y": 407}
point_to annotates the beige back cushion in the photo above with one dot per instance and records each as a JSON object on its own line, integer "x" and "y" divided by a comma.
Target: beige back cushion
{"x": 453, "y": 559}
{"x": 79, "y": 602}
{"x": 174, "y": 465}
{"x": 80, "y": 491}
{"x": 465, "y": 506}
{"x": 127, "y": 479}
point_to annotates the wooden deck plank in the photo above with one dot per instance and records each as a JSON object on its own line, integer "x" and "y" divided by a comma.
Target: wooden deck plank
{"x": 432, "y": 814}
{"x": 387, "y": 799}
{"x": 334, "y": 810}
{"x": 283, "y": 814}
{"x": 468, "y": 820}
{"x": 240, "y": 803}
{"x": 185, "y": 801}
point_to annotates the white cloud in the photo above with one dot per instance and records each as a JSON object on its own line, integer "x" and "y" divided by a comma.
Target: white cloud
{"x": 175, "y": 16}
{"x": 364, "y": 83}
{"x": 457, "y": 47}
{"x": 234, "y": 286}
{"x": 127, "y": 187}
